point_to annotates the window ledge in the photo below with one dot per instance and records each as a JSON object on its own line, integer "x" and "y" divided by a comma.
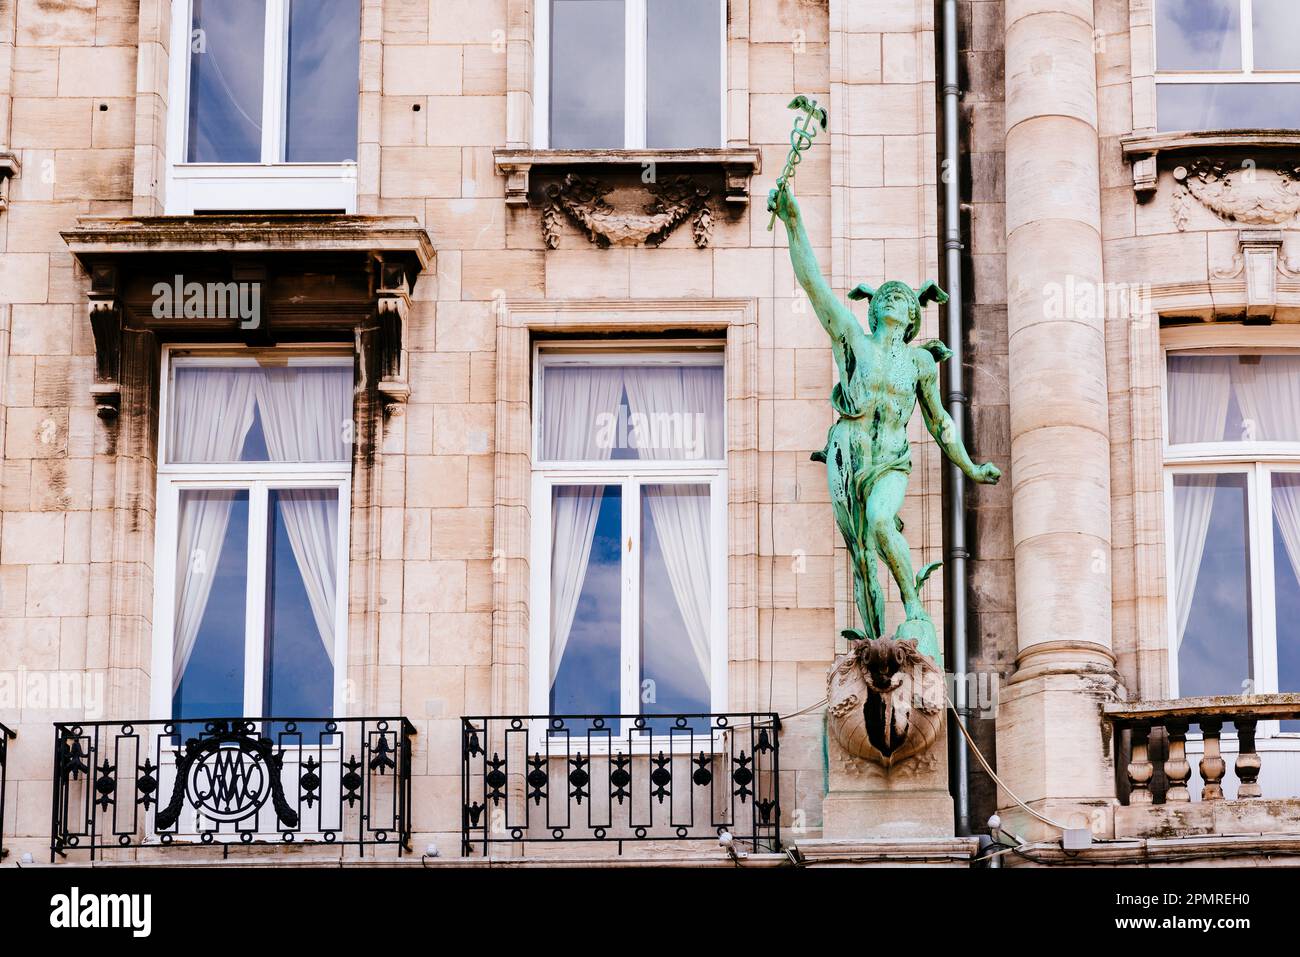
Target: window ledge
{"x": 1142, "y": 150}
{"x": 739, "y": 165}
{"x": 96, "y": 237}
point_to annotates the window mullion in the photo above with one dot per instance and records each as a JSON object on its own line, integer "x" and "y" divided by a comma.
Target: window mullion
{"x": 275, "y": 54}
{"x": 1247, "y": 37}
{"x": 634, "y": 69}
{"x": 1266, "y": 587}
{"x": 630, "y": 547}
{"x": 541, "y": 75}
{"x": 255, "y": 613}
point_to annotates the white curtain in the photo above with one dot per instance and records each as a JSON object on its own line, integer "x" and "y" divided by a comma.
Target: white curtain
{"x": 577, "y": 423}
{"x": 306, "y": 417}
{"x": 1269, "y": 395}
{"x": 681, "y": 518}
{"x": 1199, "y": 391}
{"x": 212, "y": 413}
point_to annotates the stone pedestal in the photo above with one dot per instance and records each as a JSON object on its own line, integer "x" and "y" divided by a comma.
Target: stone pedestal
{"x": 910, "y": 800}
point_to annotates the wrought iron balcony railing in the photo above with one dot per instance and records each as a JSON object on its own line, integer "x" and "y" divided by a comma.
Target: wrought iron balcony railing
{"x": 222, "y": 781}
{"x": 5, "y": 735}
{"x": 619, "y": 778}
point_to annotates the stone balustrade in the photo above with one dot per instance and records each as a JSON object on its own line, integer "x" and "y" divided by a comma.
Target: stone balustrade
{"x": 1243, "y": 713}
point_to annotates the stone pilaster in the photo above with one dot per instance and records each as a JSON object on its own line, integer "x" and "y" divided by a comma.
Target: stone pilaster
{"x": 1060, "y": 447}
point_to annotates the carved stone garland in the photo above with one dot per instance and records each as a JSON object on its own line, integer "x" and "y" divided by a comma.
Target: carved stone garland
{"x": 582, "y": 199}
{"x": 1242, "y": 193}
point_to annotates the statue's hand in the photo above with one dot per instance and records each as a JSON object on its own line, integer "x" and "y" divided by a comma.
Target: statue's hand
{"x": 987, "y": 474}
{"x": 781, "y": 202}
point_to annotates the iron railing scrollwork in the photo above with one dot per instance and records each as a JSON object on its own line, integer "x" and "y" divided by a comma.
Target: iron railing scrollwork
{"x": 619, "y": 778}
{"x": 222, "y": 781}
{"x": 6, "y": 734}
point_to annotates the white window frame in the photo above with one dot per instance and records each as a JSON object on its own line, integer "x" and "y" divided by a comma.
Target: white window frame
{"x": 1258, "y": 461}
{"x": 267, "y": 185}
{"x": 634, "y": 76}
{"x": 259, "y": 479}
{"x": 630, "y": 474}
{"x": 1247, "y": 73}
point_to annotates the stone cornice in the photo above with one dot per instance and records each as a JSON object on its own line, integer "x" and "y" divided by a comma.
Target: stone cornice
{"x": 392, "y": 237}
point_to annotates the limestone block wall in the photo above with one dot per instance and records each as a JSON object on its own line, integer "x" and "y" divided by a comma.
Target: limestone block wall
{"x": 444, "y": 83}
{"x": 75, "y": 516}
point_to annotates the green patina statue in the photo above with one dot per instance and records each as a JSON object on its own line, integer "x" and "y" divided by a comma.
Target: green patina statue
{"x": 867, "y": 454}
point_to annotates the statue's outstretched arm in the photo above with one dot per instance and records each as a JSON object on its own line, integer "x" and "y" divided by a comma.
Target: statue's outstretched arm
{"x": 940, "y": 425}
{"x": 836, "y": 318}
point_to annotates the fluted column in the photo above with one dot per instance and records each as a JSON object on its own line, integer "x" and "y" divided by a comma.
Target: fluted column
{"x": 1049, "y": 726}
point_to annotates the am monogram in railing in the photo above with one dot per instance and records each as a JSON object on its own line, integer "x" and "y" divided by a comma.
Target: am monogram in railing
{"x": 222, "y": 781}
{"x": 618, "y": 778}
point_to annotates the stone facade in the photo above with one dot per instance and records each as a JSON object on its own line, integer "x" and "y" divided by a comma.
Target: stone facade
{"x": 1067, "y": 582}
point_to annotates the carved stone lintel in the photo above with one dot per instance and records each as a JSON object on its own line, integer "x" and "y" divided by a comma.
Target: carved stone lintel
{"x": 582, "y": 199}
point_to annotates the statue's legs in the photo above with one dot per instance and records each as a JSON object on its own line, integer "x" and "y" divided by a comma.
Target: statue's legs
{"x": 845, "y": 452}
{"x": 883, "y": 505}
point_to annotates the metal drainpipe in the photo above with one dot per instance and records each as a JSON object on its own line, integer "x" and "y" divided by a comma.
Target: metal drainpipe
{"x": 954, "y": 334}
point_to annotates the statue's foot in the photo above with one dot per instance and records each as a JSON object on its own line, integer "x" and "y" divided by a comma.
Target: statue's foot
{"x": 921, "y": 630}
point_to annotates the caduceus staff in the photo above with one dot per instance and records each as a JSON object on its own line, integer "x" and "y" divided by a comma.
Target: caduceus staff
{"x": 801, "y": 138}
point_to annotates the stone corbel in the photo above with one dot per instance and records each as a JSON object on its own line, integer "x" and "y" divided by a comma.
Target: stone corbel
{"x": 9, "y": 168}
{"x": 517, "y": 174}
{"x": 105, "y": 313}
{"x": 1146, "y": 174}
{"x": 392, "y": 306}
{"x": 1260, "y": 249}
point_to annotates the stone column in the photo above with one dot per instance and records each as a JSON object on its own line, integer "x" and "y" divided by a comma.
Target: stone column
{"x": 1054, "y": 747}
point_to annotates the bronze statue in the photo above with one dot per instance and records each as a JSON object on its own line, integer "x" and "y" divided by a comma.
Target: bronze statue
{"x": 867, "y": 454}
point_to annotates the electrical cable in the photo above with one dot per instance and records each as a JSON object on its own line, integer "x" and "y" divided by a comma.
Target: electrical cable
{"x": 979, "y": 756}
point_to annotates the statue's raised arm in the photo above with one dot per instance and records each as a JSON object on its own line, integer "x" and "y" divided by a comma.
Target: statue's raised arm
{"x": 834, "y": 315}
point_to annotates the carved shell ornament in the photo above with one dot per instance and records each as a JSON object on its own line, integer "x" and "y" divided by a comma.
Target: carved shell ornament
{"x": 1239, "y": 192}
{"x": 884, "y": 701}
{"x": 582, "y": 199}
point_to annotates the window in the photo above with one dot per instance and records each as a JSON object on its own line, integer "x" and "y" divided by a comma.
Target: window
{"x": 629, "y": 490}
{"x": 632, "y": 74}
{"x": 251, "y": 563}
{"x": 1232, "y": 489}
{"x": 1227, "y": 64}
{"x": 265, "y": 96}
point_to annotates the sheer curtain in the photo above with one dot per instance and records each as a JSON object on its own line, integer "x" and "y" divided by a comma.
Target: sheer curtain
{"x": 211, "y": 415}
{"x": 1269, "y": 395}
{"x": 306, "y": 412}
{"x": 573, "y": 429}
{"x": 664, "y": 395}
{"x": 1199, "y": 391}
